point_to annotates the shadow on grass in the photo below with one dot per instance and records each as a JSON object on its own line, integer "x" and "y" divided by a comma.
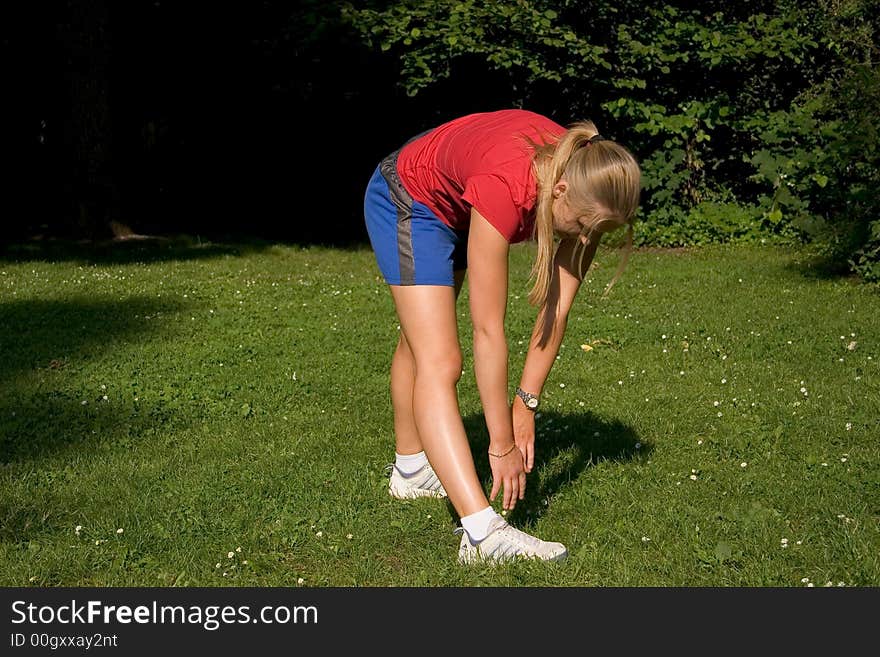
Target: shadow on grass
{"x": 44, "y": 344}
{"x": 818, "y": 267}
{"x": 565, "y": 447}
{"x": 56, "y": 425}
{"x": 146, "y": 251}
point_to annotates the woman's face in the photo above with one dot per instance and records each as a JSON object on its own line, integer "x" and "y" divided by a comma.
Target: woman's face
{"x": 567, "y": 222}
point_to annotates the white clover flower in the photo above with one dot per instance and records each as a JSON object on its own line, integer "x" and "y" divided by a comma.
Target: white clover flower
{"x": 743, "y": 464}
{"x": 217, "y": 565}
{"x": 810, "y": 585}
{"x": 645, "y": 539}
{"x": 716, "y": 403}
{"x": 349, "y": 536}
{"x": 700, "y": 442}
{"x": 319, "y": 534}
{"x": 784, "y": 541}
{"x": 119, "y": 531}
{"x": 300, "y": 581}
{"x": 804, "y": 580}
{"x": 78, "y": 529}
{"x": 843, "y": 460}
{"x": 723, "y": 380}
{"x": 849, "y": 426}
{"x": 799, "y": 542}
{"x": 694, "y": 477}
{"x": 230, "y": 554}
{"x": 561, "y": 385}
{"x": 238, "y": 549}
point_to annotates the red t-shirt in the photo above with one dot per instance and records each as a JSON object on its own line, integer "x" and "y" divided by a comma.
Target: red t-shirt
{"x": 482, "y": 161}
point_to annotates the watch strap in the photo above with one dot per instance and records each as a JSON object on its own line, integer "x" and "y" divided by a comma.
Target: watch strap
{"x": 531, "y": 401}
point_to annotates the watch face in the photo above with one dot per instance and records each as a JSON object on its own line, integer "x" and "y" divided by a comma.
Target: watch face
{"x": 532, "y": 403}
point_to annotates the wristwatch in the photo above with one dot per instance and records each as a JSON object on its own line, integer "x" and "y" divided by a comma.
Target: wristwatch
{"x": 530, "y": 400}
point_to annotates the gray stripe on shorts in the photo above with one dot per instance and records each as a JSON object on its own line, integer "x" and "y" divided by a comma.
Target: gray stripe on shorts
{"x": 403, "y": 201}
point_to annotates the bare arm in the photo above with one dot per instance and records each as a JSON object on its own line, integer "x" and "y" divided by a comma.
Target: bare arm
{"x": 487, "y": 265}
{"x": 546, "y": 337}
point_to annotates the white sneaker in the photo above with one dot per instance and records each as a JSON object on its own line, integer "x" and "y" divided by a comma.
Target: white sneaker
{"x": 506, "y": 543}
{"x": 421, "y": 483}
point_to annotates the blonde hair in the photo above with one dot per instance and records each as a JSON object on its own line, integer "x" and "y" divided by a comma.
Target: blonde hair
{"x": 604, "y": 180}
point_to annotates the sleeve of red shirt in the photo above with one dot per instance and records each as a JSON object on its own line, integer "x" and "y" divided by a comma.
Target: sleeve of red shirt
{"x": 491, "y": 196}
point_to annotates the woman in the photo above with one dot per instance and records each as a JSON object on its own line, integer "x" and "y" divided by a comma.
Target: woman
{"x": 453, "y": 199}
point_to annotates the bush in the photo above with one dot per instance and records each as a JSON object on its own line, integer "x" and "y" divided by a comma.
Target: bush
{"x": 709, "y": 222}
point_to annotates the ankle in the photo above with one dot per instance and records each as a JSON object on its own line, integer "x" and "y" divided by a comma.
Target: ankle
{"x": 410, "y": 463}
{"x": 477, "y": 524}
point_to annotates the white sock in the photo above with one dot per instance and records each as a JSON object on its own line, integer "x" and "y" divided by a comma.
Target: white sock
{"x": 477, "y": 524}
{"x": 410, "y": 463}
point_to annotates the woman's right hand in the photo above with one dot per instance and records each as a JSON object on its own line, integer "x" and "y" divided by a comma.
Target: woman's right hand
{"x": 509, "y": 473}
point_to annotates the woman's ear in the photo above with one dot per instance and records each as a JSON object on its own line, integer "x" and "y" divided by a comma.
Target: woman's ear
{"x": 560, "y": 188}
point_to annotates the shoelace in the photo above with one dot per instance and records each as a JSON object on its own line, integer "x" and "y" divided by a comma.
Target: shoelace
{"x": 520, "y": 537}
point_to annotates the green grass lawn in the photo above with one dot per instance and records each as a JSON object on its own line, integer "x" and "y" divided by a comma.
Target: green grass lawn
{"x": 219, "y": 415}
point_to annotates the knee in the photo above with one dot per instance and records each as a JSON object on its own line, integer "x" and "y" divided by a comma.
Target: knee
{"x": 442, "y": 368}
{"x": 403, "y": 346}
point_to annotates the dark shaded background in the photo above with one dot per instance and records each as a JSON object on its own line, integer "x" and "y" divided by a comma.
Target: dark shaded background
{"x": 257, "y": 118}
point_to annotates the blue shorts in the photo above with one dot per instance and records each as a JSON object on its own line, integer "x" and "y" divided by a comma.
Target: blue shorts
{"x": 412, "y": 245}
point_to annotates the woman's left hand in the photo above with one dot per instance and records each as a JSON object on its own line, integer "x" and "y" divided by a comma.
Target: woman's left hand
{"x": 524, "y": 432}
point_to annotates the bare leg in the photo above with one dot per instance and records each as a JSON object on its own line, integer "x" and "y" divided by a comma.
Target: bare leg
{"x": 403, "y": 377}
{"x": 429, "y": 326}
